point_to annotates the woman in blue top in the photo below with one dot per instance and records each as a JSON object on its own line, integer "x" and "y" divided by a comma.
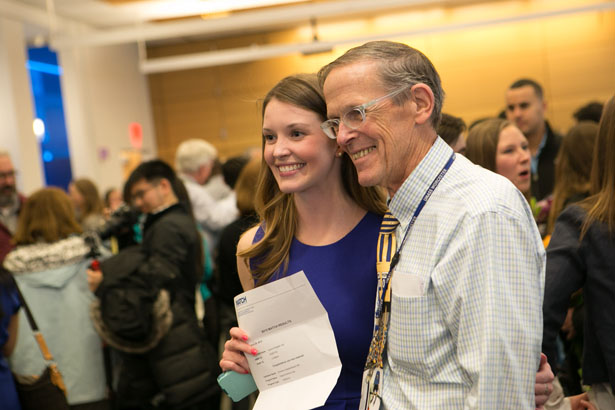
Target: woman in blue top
{"x": 315, "y": 217}
{"x": 9, "y": 306}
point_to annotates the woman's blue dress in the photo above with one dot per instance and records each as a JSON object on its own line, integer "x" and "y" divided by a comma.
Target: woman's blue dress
{"x": 343, "y": 276}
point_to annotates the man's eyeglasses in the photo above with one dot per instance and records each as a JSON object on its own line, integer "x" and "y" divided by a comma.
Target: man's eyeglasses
{"x": 140, "y": 193}
{"x": 354, "y": 117}
{"x": 8, "y": 174}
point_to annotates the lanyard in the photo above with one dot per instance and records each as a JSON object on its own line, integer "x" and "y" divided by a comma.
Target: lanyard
{"x": 387, "y": 276}
{"x": 374, "y": 372}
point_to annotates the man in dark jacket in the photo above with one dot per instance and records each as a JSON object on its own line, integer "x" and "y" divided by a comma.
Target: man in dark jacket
{"x": 147, "y": 302}
{"x": 525, "y": 107}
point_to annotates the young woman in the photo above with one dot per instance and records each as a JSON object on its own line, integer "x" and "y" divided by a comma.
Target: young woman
{"x": 499, "y": 146}
{"x": 87, "y": 203}
{"x": 49, "y": 265}
{"x": 573, "y": 168}
{"x": 315, "y": 217}
{"x": 581, "y": 254}
{"x": 572, "y": 183}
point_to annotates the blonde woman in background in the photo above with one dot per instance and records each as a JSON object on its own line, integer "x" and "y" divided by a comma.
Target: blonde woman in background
{"x": 87, "y": 204}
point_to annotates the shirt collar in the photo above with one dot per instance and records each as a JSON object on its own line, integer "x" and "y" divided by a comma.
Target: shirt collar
{"x": 409, "y": 195}
{"x": 536, "y": 157}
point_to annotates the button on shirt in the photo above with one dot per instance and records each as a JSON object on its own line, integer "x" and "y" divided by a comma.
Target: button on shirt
{"x": 466, "y": 308}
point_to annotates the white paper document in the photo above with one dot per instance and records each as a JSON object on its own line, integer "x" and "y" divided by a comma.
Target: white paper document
{"x": 297, "y": 364}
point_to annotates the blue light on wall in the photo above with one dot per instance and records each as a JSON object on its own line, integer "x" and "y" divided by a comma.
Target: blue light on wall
{"x": 47, "y": 95}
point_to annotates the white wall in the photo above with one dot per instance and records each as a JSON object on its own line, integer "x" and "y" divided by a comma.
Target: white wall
{"x": 103, "y": 93}
{"x": 16, "y": 112}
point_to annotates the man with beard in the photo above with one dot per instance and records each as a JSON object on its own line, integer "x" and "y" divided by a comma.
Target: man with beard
{"x": 10, "y": 203}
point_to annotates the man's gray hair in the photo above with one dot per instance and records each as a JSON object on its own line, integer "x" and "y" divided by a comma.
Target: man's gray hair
{"x": 399, "y": 64}
{"x": 193, "y": 153}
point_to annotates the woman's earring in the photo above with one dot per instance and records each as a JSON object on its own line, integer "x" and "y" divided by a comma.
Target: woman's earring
{"x": 339, "y": 153}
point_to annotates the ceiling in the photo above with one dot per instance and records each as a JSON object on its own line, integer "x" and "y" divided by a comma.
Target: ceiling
{"x": 103, "y": 22}
{"x": 89, "y": 23}
{"x": 116, "y": 13}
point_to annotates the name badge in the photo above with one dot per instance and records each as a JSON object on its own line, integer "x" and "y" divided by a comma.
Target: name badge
{"x": 371, "y": 389}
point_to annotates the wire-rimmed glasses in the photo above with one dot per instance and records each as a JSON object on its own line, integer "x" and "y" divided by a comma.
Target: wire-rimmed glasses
{"x": 354, "y": 117}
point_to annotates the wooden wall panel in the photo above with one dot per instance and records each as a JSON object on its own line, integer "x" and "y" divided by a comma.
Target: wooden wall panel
{"x": 572, "y": 56}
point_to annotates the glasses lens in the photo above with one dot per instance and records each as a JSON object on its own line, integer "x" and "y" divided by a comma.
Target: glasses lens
{"x": 354, "y": 118}
{"x": 330, "y": 128}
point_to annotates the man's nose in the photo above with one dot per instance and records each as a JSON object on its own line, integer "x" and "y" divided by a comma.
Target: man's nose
{"x": 344, "y": 134}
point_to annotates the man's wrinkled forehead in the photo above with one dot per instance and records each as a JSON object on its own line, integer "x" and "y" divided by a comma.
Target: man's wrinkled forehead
{"x": 350, "y": 81}
{"x": 5, "y": 163}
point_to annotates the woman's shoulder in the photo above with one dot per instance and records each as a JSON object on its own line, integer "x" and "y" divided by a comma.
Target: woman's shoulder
{"x": 368, "y": 223}
{"x": 247, "y": 238}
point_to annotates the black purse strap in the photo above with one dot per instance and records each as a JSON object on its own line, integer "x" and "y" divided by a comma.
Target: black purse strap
{"x": 38, "y": 336}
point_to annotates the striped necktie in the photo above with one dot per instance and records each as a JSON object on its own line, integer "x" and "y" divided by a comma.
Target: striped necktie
{"x": 387, "y": 246}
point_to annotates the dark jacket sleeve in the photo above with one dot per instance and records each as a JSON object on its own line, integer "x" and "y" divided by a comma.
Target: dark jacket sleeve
{"x": 167, "y": 248}
{"x": 565, "y": 274}
{"x": 599, "y": 294}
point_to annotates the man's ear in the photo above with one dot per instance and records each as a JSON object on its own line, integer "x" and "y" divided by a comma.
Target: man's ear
{"x": 424, "y": 99}
{"x": 165, "y": 184}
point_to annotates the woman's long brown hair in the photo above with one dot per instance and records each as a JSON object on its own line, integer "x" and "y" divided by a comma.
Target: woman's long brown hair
{"x": 276, "y": 209}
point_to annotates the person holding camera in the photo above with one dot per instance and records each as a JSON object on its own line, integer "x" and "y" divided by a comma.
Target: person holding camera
{"x": 146, "y": 294}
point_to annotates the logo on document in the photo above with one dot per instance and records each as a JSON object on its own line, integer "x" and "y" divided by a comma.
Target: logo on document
{"x": 241, "y": 301}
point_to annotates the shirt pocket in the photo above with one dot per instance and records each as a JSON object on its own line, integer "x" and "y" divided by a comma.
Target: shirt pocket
{"x": 412, "y": 332}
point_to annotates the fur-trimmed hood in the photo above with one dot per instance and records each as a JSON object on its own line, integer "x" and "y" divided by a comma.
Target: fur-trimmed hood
{"x": 162, "y": 320}
{"x": 49, "y": 265}
{"x": 44, "y": 256}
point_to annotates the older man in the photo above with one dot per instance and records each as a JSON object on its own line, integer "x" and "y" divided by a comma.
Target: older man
{"x": 10, "y": 203}
{"x": 194, "y": 161}
{"x": 458, "y": 322}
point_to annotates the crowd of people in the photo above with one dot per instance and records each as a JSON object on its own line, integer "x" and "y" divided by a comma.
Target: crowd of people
{"x": 460, "y": 267}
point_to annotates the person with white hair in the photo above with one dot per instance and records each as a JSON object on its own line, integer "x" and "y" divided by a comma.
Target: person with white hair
{"x": 194, "y": 161}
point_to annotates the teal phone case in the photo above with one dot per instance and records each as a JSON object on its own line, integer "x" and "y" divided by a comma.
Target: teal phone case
{"x": 237, "y": 385}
